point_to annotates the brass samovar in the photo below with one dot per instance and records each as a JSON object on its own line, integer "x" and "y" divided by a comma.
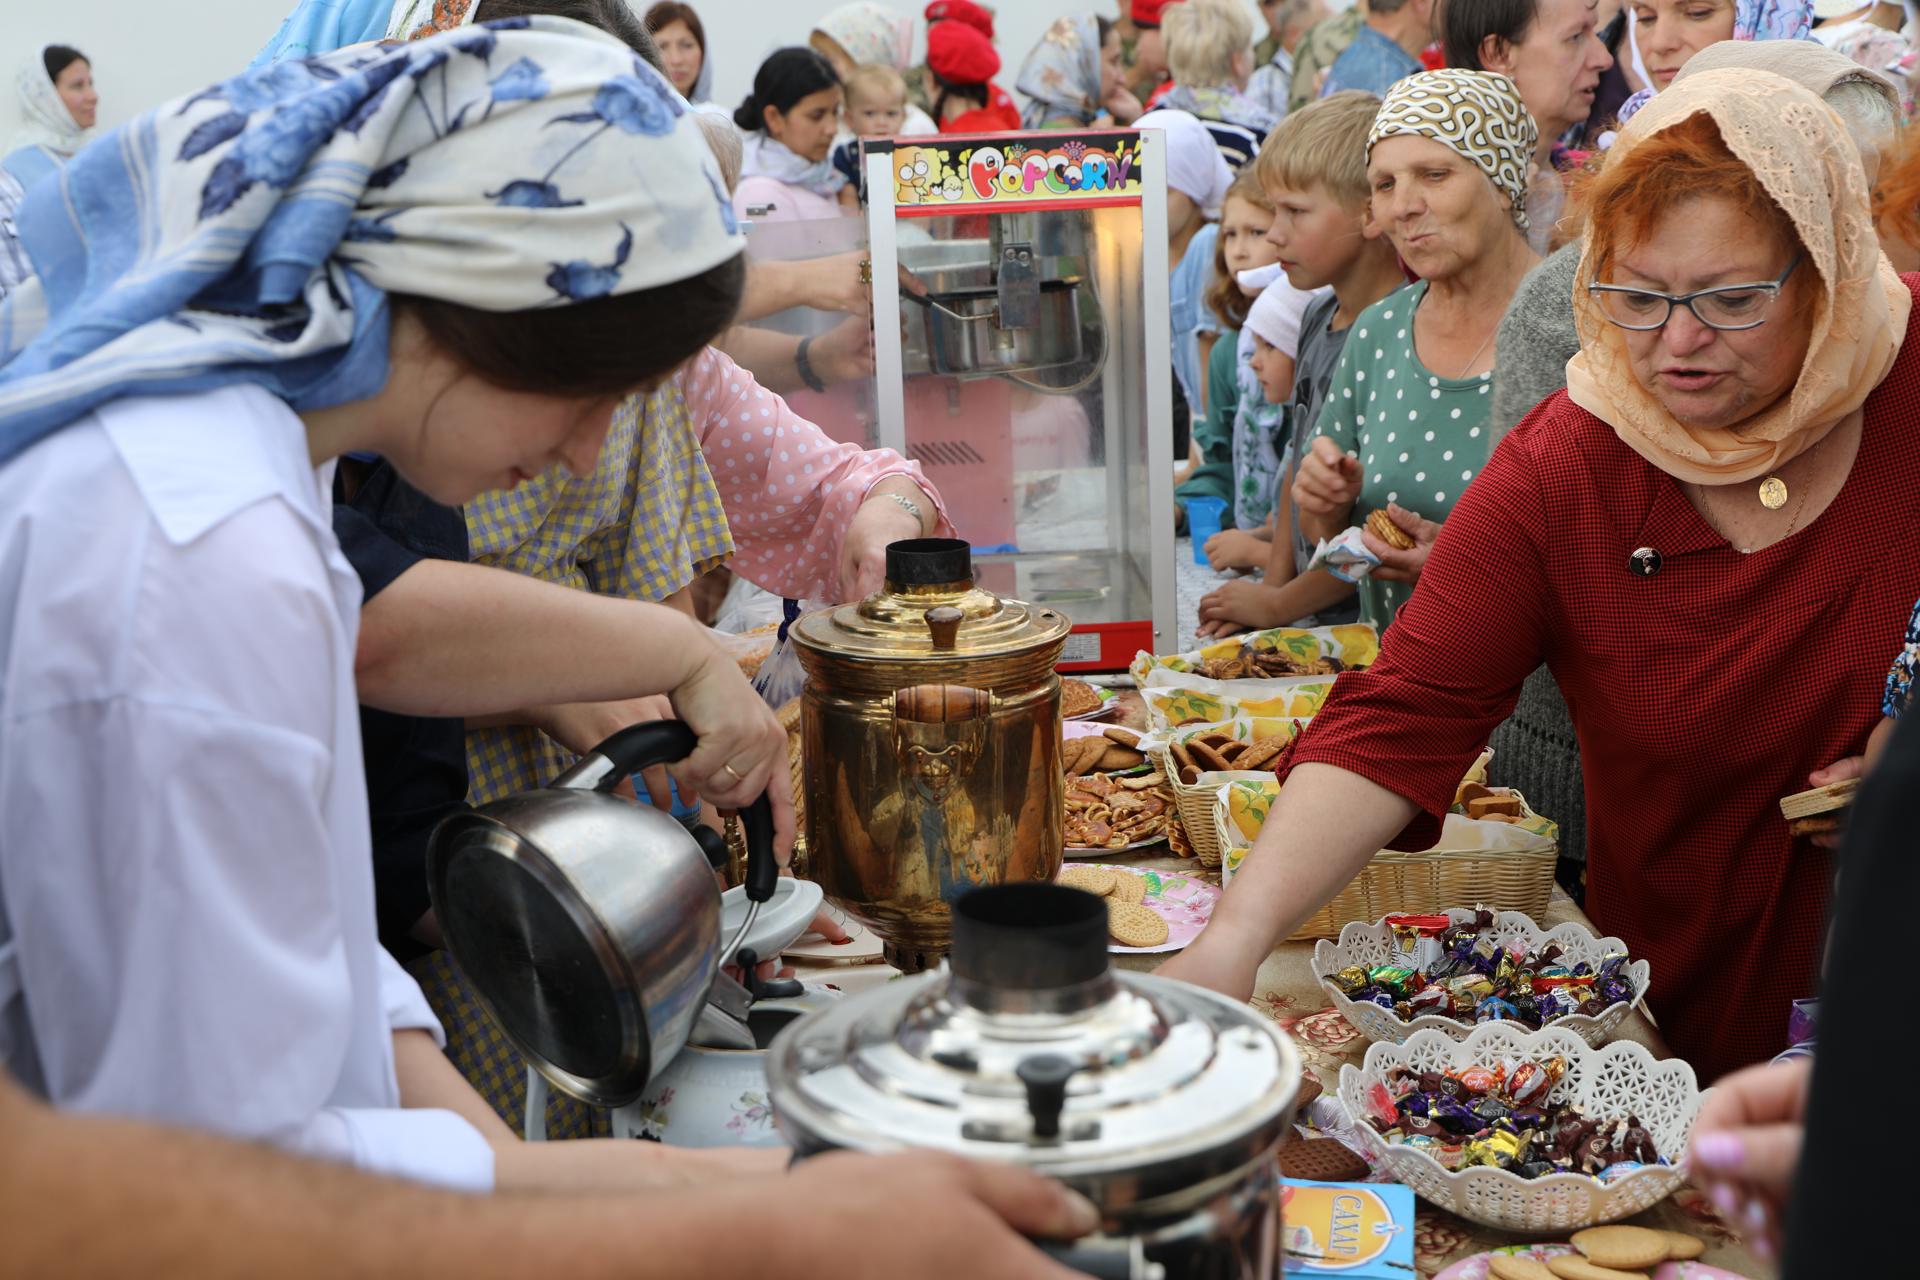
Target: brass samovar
{"x": 931, "y": 736}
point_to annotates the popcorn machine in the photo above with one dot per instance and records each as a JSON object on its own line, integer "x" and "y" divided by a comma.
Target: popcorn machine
{"x": 1028, "y": 371}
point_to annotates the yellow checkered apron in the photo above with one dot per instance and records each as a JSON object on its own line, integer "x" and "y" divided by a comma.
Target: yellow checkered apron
{"x": 647, "y": 522}
{"x": 644, "y": 524}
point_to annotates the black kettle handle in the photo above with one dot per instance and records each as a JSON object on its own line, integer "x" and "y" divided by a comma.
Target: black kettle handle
{"x": 642, "y": 746}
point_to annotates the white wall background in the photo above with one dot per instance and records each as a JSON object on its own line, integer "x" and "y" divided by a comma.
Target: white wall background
{"x": 147, "y": 51}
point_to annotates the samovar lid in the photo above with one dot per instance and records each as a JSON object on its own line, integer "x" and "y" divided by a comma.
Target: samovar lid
{"x": 930, "y": 608}
{"x": 1027, "y": 1047}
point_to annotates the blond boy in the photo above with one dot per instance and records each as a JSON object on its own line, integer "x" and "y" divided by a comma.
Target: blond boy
{"x": 1313, "y": 166}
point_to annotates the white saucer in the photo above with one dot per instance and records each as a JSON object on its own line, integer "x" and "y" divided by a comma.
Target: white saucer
{"x": 783, "y": 917}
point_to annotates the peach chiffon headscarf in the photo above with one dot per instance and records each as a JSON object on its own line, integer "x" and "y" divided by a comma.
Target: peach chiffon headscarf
{"x": 1807, "y": 161}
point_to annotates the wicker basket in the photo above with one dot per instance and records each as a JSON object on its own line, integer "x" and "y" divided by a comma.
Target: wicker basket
{"x": 1432, "y": 880}
{"x": 1196, "y": 805}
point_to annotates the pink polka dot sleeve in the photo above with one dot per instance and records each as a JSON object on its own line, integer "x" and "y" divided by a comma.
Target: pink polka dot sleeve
{"x": 789, "y": 490}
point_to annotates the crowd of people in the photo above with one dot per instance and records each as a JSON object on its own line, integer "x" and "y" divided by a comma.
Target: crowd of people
{"x": 370, "y": 420}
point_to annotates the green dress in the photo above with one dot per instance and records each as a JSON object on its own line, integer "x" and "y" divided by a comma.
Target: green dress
{"x": 1213, "y": 431}
{"x": 1420, "y": 438}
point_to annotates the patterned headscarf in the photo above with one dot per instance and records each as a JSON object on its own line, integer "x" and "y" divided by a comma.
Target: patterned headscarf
{"x": 1772, "y": 19}
{"x": 1477, "y": 114}
{"x": 1061, "y": 76}
{"x": 46, "y": 120}
{"x": 418, "y": 19}
{"x": 1752, "y": 20}
{"x": 322, "y": 26}
{"x": 252, "y": 232}
{"x": 870, "y": 33}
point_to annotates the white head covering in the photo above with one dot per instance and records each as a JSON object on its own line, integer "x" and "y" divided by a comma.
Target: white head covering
{"x": 47, "y": 122}
{"x": 1276, "y": 315}
{"x": 1195, "y": 167}
{"x": 870, "y": 32}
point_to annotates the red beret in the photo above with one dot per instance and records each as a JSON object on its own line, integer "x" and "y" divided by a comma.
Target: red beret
{"x": 959, "y": 54}
{"x": 963, "y": 11}
{"x": 1146, "y": 13}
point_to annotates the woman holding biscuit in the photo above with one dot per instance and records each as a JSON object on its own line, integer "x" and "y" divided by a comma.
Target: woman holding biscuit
{"x": 1405, "y": 427}
{"x": 1677, "y": 537}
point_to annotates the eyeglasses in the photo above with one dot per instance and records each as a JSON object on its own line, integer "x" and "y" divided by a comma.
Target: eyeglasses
{"x": 1726, "y": 307}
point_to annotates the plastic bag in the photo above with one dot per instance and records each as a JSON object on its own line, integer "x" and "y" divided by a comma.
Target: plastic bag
{"x": 781, "y": 677}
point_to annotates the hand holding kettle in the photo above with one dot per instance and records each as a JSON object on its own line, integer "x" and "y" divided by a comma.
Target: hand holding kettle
{"x": 742, "y": 749}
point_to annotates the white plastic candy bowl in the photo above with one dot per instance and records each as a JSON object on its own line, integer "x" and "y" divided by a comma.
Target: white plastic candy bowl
{"x": 1616, "y": 1081}
{"x": 1367, "y": 945}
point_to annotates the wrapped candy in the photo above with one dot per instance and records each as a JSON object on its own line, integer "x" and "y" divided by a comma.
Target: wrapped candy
{"x": 1496, "y": 1010}
{"x": 1468, "y": 992}
{"x": 1498, "y": 1149}
{"x": 1499, "y": 1115}
{"x": 1528, "y": 1083}
{"x": 1477, "y": 1079}
{"x": 1396, "y": 980}
{"x": 1351, "y": 980}
{"x": 1465, "y": 972}
{"x": 1416, "y": 940}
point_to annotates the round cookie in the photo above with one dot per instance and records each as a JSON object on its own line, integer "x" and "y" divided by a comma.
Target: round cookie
{"x": 1682, "y": 1247}
{"x": 1093, "y": 880}
{"x": 1381, "y": 526}
{"x": 1322, "y": 1160}
{"x": 1511, "y": 1268}
{"x": 1135, "y": 926}
{"x": 1575, "y": 1267}
{"x": 1128, "y": 887}
{"x": 1621, "y": 1247}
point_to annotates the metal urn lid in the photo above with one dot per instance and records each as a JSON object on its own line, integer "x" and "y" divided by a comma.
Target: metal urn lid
{"x": 1029, "y": 1048}
{"x": 931, "y": 609}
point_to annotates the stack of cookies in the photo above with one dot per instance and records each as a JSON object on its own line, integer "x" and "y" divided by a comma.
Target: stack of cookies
{"x": 1615, "y": 1252}
{"x": 1268, "y": 665}
{"x": 1220, "y": 752}
{"x": 1110, "y": 752}
{"x": 1821, "y": 811}
{"x": 1130, "y": 922}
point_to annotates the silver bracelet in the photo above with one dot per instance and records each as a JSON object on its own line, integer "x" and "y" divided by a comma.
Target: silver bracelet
{"x": 912, "y": 507}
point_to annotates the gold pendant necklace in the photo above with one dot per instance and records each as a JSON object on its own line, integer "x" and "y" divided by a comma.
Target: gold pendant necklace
{"x": 1773, "y": 493}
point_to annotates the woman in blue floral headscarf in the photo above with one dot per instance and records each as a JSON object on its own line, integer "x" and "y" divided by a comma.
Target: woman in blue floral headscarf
{"x": 459, "y": 253}
{"x": 1668, "y": 32}
{"x": 1073, "y": 79}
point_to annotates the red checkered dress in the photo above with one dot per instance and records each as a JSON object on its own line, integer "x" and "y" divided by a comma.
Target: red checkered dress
{"x": 1701, "y": 694}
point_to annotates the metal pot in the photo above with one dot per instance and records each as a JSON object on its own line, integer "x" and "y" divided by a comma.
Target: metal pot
{"x": 1161, "y": 1102}
{"x": 589, "y": 926}
{"x": 931, "y": 744}
{"x": 969, "y": 331}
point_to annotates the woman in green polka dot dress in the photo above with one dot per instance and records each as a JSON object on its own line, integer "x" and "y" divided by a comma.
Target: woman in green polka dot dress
{"x": 1404, "y": 426}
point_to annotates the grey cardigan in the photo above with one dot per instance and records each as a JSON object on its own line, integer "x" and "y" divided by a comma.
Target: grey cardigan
{"x": 1535, "y": 750}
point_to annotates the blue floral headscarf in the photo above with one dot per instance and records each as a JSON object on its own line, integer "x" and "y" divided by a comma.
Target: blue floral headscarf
{"x": 252, "y": 232}
{"x": 1752, "y": 20}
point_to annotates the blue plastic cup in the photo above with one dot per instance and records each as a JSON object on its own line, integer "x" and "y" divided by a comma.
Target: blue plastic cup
{"x": 1203, "y": 521}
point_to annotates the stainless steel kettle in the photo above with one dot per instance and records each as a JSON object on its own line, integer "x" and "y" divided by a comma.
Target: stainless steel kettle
{"x": 589, "y": 926}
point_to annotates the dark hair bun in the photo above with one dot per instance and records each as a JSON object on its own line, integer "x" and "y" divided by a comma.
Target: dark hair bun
{"x": 747, "y": 115}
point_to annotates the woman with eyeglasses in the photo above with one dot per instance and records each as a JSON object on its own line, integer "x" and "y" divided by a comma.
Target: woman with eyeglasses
{"x": 1700, "y": 538}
